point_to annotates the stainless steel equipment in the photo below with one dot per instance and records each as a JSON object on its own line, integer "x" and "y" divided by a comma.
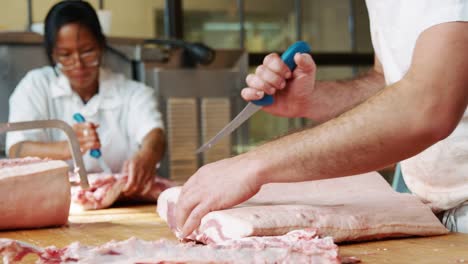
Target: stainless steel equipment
{"x": 71, "y": 137}
{"x": 197, "y": 102}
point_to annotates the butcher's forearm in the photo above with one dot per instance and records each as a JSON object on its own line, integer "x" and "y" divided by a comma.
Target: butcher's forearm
{"x": 154, "y": 144}
{"x": 390, "y": 127}
{"x": 401, "y": 120}
{"x": 53, "y": 150}
{"x": 333, "y": 98}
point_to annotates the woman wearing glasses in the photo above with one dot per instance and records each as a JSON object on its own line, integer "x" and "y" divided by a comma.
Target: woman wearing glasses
{"x": 122, "y": 116}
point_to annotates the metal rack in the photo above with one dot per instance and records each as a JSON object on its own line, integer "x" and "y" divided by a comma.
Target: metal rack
{"x": 197, "y": 103}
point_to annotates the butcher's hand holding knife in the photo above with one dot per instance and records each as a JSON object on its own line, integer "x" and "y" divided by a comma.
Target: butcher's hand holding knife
{"x": 226, "y": 183}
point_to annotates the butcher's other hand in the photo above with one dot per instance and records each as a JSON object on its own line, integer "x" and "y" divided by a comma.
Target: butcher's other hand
{"x": 292, "y": 90}
{"x": 215, "y": 186}
{"x": 87, "y": 136}
{"x": 141, "y": 170}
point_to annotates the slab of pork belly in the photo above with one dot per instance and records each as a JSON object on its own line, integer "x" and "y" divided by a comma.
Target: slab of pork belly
{"x": 361, "y": 207}
{"x": 294, "y": 247}
{"x": 105, "y": 189}
{"x": 33, "y": 193}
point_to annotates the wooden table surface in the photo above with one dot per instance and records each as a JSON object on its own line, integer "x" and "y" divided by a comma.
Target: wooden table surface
{"x": 120, "y": 223}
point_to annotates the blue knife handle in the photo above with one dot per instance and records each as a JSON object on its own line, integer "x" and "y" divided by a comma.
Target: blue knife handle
{"x": 288, "y": 58}
{"x": 95, "y": 153}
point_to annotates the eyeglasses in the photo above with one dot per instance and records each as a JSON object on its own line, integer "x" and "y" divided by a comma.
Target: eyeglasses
{"x": 68, "y": 62}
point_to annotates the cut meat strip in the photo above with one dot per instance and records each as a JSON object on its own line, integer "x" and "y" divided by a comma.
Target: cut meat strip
{"x": 105, "y": 189}
{"x": 294, "y": 247}
{"x": 33, "y": 193}
{"x": 361, "y": 207}
{"x": 11, "y": 163}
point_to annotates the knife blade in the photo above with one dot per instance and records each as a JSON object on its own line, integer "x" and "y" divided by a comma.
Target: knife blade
{"x": 95, "y": 153}
{"x": 253, "y": 106}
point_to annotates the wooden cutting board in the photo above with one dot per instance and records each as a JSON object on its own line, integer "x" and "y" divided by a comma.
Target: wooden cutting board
{"x": 120, "y": 223}
{"x": 452, "y": 248}
{"x": 99, "y": 226}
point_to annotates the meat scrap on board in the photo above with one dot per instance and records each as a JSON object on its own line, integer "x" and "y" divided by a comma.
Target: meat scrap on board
{"x": 295, "y": 247}
{"x": 105, "y": 189}
{"x": 361, "y": 207}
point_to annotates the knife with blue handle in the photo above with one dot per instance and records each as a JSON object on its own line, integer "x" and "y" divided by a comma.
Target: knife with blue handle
{"x": 253, "y": 106}
{"x": 95, "y": 153}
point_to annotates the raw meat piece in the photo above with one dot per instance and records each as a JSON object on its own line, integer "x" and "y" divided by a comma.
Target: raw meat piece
{"x": 103, "y": 192}
{"x": 33, "y": 193}
{"x": 13, "y": 251}
{"x": 294, "y": 247}
{"x": 361, "y": 207}
{"x": 10, "y": 163}
{"x": 105, "y": 189}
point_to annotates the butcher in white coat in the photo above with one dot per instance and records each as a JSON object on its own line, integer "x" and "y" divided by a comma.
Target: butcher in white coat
{"x": 122, "y": 115}
{"x": 410, "y": 107}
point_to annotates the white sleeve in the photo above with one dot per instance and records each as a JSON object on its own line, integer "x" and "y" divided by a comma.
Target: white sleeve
{"x": 438, "y": 12}
{"x": 143, "y": 115}
{"x": 28, "y": 102}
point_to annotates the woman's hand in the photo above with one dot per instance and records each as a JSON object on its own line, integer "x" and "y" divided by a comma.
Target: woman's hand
{"x": 141, "y": 169}
{"x": 292, "y": 90}
{"x": 87, "y": 136}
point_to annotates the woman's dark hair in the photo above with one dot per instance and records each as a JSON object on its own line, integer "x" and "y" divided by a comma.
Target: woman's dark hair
{"x": 67, "y": 12}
